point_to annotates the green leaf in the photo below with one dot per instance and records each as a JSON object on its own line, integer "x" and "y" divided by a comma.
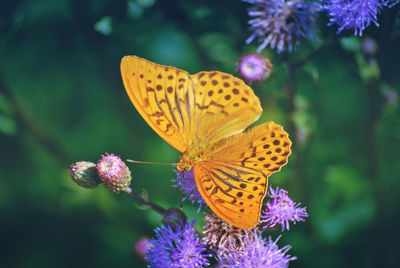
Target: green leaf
{"x": 343, "y": 204}
{"x": 218, "y": 48}
{"x": 313, "y": 71}
{"x": 7, "y": 125}
{"x": 350, "y": 43}
{"x": 145, "y": 3}
{"x": 104, "y": 26}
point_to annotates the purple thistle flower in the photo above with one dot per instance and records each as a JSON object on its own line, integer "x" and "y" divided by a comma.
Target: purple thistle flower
{"x": 281, "y": 24}
{"x": 189, "y": 187}
{"x": 258, "y": 252}
{"x": 280, "y": 210}
{"x": 113, "y": 173}
{"x": 177, "y": 246}
{"x": 353, "y": 14}
{"x": 254, "y": 67}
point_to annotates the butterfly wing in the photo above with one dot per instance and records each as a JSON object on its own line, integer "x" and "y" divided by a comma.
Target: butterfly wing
{"x": 164, "y": 97}
{"x": 233, "y": 180}
{"x": 224, "y": 104}
{"x": 187, "y": 110}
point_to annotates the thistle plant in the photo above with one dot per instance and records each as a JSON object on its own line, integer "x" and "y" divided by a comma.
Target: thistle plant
{"x": 177, "y": 243}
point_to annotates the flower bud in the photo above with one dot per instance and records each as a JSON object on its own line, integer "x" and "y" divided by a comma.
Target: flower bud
{"x": 391, "y": 96}
{"x": 368, "y": 46}
{"x": 85, "y": 174}
{"x": 142, "y": 246}
{"x": 254, "y": 67}
{"x": 174, "y": 216}
{"x": 113, "y": 173}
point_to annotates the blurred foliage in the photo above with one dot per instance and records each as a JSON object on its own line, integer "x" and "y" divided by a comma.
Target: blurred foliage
{"x": 62, "y": 100}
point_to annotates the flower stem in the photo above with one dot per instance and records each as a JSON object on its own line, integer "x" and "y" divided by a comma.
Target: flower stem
{"x": 138, "y": 198}
{"x": 298, "y": 156}
{"x": 303, "y": 61}
{"x": 29, "y": 122}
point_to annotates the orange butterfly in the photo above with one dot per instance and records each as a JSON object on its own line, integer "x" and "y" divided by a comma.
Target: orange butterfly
{"x": 203, "y": 116}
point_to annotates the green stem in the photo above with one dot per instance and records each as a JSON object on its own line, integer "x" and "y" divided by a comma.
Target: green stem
{"x": 298, "y": 159}
{"x": 151, "y": 205}
{"x": 303, "y": 61}
{"x": 372, "y": 140}
{"x": 35, "y": 129}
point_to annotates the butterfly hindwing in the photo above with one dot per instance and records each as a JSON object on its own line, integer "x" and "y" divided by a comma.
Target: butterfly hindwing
{"x": 233, "y": 180}
{"x": 233, "y": 192}
{"x": 265, "y": 147}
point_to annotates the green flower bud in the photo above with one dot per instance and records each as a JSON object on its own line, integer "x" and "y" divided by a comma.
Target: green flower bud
{"x": 85, "y": 174}
{"x": 174, "y": 216}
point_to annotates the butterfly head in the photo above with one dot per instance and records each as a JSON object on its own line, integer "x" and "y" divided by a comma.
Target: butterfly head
{"x": 184, "y": 163}
{"x": 188, "y": 160}
{"x": 191, "y": 158}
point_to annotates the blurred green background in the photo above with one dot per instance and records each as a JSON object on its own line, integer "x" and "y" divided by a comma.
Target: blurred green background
{"x": 62, "y": 100}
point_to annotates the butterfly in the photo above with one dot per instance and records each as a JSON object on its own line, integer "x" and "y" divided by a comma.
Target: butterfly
{"x": 203, "y": 116}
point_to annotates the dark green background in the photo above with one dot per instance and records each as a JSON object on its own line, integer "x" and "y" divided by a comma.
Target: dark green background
{"x": 62, "y": 100}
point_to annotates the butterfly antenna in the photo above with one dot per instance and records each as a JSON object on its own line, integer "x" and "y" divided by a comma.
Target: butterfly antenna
{"x": 181, "y": 189}
{"x": 144, "y": 162}
{"x": 160, "y": 163}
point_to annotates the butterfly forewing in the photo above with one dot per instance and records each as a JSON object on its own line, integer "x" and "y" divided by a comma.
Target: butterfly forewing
{"x": 225, "y": 105}
{"x": 164, "y": 96}
{"x": 233, "y": 180}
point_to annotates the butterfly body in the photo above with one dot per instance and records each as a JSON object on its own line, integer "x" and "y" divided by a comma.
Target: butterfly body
{"x": 203, "y": 116}
{"x": 190, "y": 159}
{"x": 196, "y": 155}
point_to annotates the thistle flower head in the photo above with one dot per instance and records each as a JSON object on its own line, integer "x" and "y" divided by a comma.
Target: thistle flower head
{"x": 281, "y": 24}
{"x": 113, "y": 173}
{"x": 254, "y": 67}
{"x": 281, "y": 210}
{"x": 222, "y": 237}
{"x": 258, "y": 252}
{"x": 353, "y": 14}
{"x": 177, "y": 246}
{"x": 185, "y": 181}
{"x": 85, "y": 174}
